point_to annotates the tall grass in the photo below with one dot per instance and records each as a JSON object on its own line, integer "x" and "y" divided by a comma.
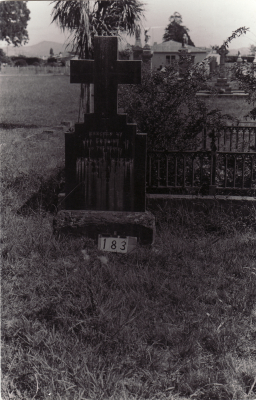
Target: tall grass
{"x": 29, "y": 160}
{"x": 177, "y": 320}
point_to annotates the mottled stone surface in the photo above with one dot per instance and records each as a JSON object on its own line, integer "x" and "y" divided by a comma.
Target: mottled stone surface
{"x": 92, "y": 223}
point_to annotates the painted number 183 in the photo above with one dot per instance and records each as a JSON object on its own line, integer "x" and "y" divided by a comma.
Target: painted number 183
{"x": 115, "y": 245}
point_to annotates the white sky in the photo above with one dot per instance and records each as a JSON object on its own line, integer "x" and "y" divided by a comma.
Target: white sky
{"x": 209, "y": 22}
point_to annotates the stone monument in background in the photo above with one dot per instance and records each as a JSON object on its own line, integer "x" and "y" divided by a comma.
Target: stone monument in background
{"x": 222, "y": 81}
{"x": 184, "y": 57}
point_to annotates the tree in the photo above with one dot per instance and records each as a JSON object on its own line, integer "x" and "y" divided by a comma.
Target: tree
{"x": 83, "y": 19}
{"x": 14, "y": 16}
{"x": 3, "y": 58}
{"x": 246, "y": 76}
{"x": 51, "y": 52}
{"x": 167, "y": 108}
{"x": 175, "y": 31}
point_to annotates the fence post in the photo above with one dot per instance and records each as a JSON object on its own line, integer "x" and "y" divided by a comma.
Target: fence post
{"x": 212, "y": 186}
{"x": 204, "y": 137}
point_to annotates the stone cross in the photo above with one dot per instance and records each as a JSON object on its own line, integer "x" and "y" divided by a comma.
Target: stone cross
{"x": 106, "y": 72}
{"x": 222, "y": 52}
{"x": 105, "y": 157}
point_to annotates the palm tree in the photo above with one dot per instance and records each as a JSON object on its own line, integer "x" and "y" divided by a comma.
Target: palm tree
{"x": 84, "y": 19}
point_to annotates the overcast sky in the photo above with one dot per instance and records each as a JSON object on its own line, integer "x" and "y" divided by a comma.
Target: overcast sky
{"x": 209, "y": 22}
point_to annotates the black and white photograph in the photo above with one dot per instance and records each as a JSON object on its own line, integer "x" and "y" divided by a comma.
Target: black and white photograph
{"x": 128, "y": 199}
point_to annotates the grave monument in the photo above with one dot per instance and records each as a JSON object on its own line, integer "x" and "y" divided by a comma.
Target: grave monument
{"x": 222, "y": 81}
{"x": 147, "y": 53}
{"x": 222, "y": 85}
{"x": 105, "y": 158}
{"x": 183, "y": 54}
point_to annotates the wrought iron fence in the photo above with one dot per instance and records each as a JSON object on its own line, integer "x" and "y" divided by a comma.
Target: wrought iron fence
{"x": 203, "y": 171}
{"x": 223, "y": 163}
{"x": 232, "y": 138}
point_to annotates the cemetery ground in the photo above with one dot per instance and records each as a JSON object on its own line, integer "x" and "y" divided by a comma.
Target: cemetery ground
{"x": 175, "y": 321}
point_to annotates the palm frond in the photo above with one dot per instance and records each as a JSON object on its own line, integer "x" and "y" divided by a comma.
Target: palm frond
{"x": 85, "y": 20}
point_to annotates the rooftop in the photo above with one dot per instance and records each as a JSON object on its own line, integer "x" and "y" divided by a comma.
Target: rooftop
{"x": 172, "y": 46}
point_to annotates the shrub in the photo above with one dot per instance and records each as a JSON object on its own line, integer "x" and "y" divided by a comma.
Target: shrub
{"x": 167, "y": 109}
{"x": 20, "y": 62}
{"x": 245, "y": 75}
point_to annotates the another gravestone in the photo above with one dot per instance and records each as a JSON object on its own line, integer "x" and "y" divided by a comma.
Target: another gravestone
{"x": 184, "y": 57}
{"x": 222, "y": 82}
{"x": 213, "y": 65}
{"x": 105, "y": 159}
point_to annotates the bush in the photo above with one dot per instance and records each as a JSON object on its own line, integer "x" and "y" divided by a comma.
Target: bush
{"x": 167, "y": 109}
{"x": 245, "y": 75}
{"x": 3, "y": 58}
{"x": 28, "y": 60}
{"x": 20, "y": 63}
{"x": 51, "y": 60}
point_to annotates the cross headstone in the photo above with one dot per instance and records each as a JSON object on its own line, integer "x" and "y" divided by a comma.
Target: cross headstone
{"x": 184, "y": 59}
{"x": 105, "y": 158}
{"x": 106, "y": 72}
{"x": 222, "y": 82}
{"x": 222, "y": 52}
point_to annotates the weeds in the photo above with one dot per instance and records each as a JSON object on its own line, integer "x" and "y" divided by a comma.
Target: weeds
{"x": 179, "y": 318}
{"x": 174, "y": 321}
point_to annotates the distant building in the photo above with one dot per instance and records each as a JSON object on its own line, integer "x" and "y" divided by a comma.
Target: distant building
{"x": 166, "y": 52}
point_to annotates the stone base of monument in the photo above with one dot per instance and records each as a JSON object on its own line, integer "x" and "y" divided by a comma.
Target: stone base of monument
{"x": 222, "y": 84}
{"x": 93, "y": 223}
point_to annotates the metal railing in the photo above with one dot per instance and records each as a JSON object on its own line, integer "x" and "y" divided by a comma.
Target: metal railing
{"x": 203, "y": 171}
{"x": 221, "y": 163}
{"x": 232, "y": 138}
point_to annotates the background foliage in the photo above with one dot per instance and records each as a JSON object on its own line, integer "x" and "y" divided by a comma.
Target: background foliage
{"x": 175, "y": 31}
{"x": 84, "y": 19}
{"x": 167, "y": 108}
{"x": 14, "y": 16}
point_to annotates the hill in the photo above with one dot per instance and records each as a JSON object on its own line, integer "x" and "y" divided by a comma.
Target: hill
{"x": 43, "y": 49}
{"x": 37, "y": 50}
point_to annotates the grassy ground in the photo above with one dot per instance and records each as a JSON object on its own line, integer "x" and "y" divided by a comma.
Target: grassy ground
{"x": 38, "y": 100}
{"x": 175, "y": 321}
{"x": 238, "y": 108}
{"x": 47, "y": 100}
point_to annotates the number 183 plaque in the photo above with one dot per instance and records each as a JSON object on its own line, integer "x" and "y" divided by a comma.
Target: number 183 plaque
{"x": 117, "y": 244}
